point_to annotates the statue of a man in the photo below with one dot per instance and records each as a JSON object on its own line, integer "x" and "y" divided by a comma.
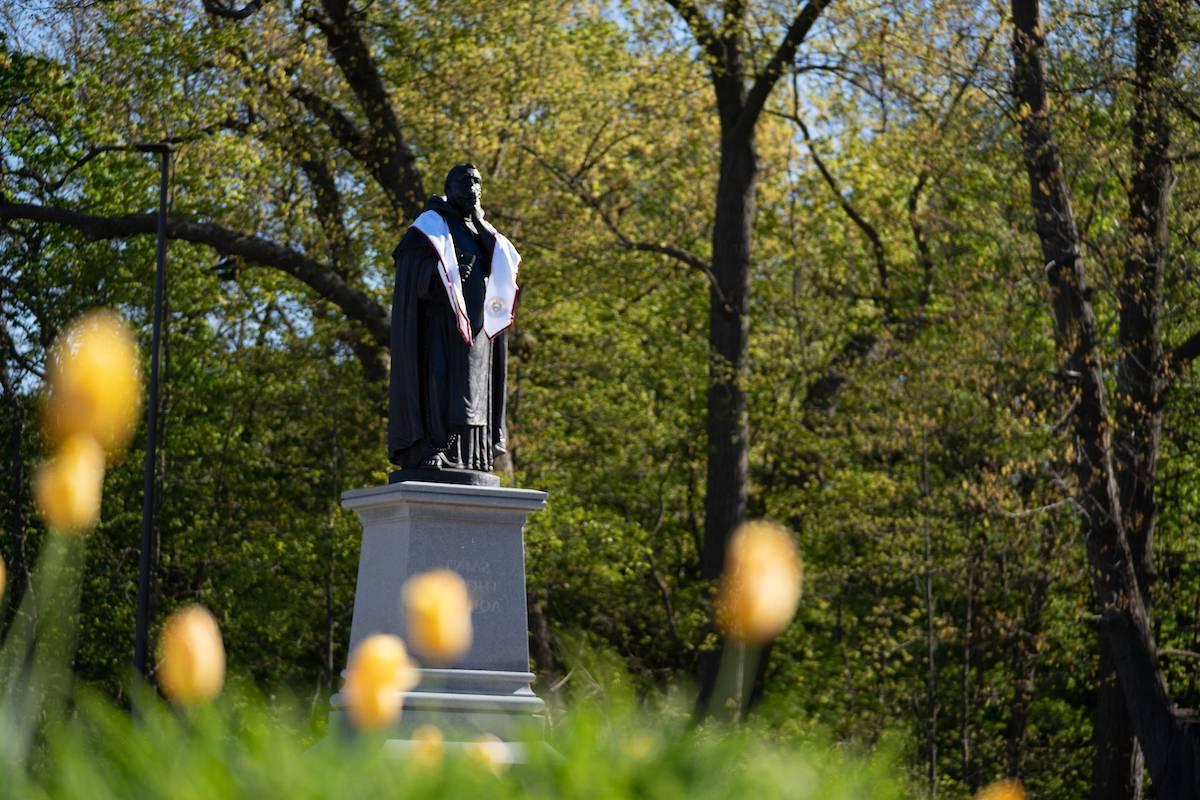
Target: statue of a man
{"x": 455, "y": 294}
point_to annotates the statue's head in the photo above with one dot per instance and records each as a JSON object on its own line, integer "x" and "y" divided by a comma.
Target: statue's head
{"x": 464, "y": 187}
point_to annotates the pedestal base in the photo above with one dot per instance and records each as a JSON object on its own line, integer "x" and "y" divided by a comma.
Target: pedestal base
{"x": 411, "y": 527}
{"x": 464, "y": 705}
{"x": 457, "y": 477}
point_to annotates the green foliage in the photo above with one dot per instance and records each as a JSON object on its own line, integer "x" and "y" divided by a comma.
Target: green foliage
{"x": 245, "y": 748}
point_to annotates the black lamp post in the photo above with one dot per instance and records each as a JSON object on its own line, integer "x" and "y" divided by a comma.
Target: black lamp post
{"x": 142, "y": 629}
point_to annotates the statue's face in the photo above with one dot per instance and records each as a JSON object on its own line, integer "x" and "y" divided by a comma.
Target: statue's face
{"x": 465, "y": 189}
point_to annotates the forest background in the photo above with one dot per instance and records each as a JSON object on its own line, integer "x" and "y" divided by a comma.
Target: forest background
{"x": 905, "y": 412}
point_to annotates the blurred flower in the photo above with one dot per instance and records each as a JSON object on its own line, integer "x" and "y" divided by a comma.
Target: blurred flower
{"x": 94, "y": 382}
{"x": 640, "y": 746}
{"x": 760, "y": 588}
{"x": 377, "y": 677}
{"x": 3, "y": 577}
{"x": 489, "y": 751}
{"x": 1007, "y": 789}
{"x": 191, "y": 656}
{"x": 68, "y": 487}
{"x": 428, "y": 746}
{"x": 437, "y": 615}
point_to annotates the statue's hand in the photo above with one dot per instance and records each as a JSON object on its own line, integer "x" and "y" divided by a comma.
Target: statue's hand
{"x": 480, "y": 222}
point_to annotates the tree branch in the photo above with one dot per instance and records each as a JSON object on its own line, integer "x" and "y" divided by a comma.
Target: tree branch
{"x": 14, "y": 355}
{"x": 357, "y": 305}
{"x": 219, "y": 8}
{"x": 920, "y": 235}
{"x": 921, "y": 238}
{"x": 329, "y": 212}
{"x": 1140, "y": 391}
{"x": 342, "y": 128}
{"x": 701, "y": 29}
{"x": 572, "y": 184}
{"x": 784, "y": 54}
{"x": 396, "y": 170}
{"x": 868, "y": 230}
{"x": 1183, "y": 107}
{"x": 1182, "y": 356}
{"x": 1173, "y": 651}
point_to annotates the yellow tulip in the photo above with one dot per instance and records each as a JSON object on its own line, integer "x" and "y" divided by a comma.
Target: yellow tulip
{"x": 378, "y": 675}
{"x": 428, "y": 746}
{"x": 760, "y": 588}
{"x": 1007, "y": 789}
{"x": 437, "y": 615}
{"x": 489, "y": 751}
{"x": 95, "y": 384}
{"x": 191, "y": 656}
{"x": 68, "y": 487}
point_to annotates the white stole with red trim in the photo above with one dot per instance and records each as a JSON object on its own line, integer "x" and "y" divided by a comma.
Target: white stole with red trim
{"x": 500, "y": 299}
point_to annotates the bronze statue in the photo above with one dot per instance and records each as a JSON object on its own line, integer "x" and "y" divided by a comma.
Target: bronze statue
{"x": 454, "y": 298}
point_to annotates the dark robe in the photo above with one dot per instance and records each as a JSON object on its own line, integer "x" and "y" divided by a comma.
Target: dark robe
{"x": 445, "y": 395}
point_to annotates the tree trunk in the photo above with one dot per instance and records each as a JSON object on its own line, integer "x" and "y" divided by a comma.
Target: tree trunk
{"x": 1138, "y": 401}
{"x": 18, "y": 574}
{"x": 729, "y": 330}
{"x": 1115, "y": 465}
{"x": 739, "y": 104}
{"x": 1117, "y": 763}
{"x": 1141, "y": 383}
{"x": 725, "y": 492}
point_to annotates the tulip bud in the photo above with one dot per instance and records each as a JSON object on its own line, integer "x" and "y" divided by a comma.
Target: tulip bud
{"x": 437, "y": 615}
{"x": 490, "y": 752}
{"x": 1007, "y": 789}
{"x": 94, "y": 382}
{"x": 428, "y": 746}
{"x": 68, "y": 487}
{"x": 191, "y": 656}
{"x": 760, "y": 587}
{"x": 378, "y": 675}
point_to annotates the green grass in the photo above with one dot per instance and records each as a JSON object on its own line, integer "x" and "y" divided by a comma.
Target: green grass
{"x": 242, "y": 747}
{"x": 60, "y": 740}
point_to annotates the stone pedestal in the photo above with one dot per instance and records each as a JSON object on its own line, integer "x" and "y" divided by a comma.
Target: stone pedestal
{"x": 476, "y": 531}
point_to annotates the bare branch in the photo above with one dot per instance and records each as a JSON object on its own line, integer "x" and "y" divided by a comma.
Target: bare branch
{"x": 1032, "y": 512}
{"x": 13, "y": 354}
{"x": 868, "y": 230}
{"x": 572, "y": 183}
{"x": 356, "y": 304}
{"x": 1174, "y": 651}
